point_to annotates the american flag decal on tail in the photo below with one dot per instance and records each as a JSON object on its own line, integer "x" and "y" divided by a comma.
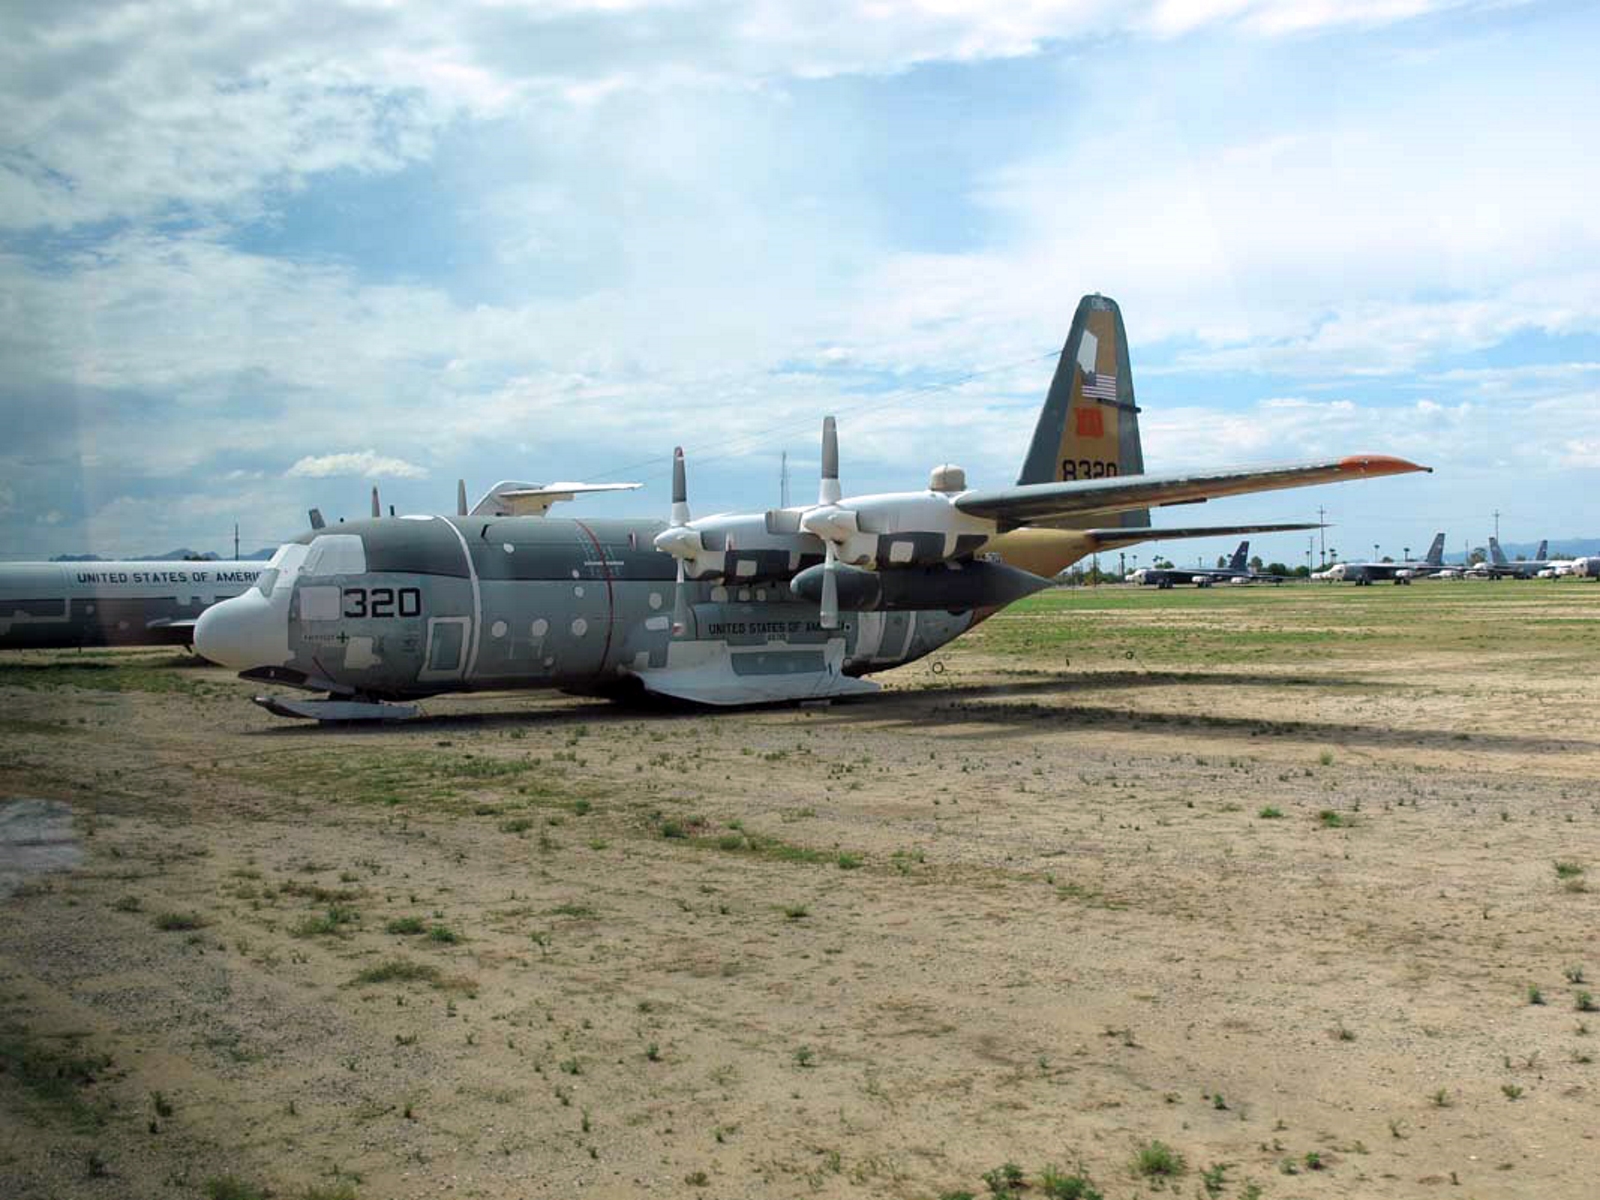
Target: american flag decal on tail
{"x": 1099, "y": 387}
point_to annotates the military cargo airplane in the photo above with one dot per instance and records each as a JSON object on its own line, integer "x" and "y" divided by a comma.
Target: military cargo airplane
{"x": 1237, "y": 571}
{"x": 737, "y": 608}
{"x": 53, "y": 605}
{"x": 1368, "y": 573}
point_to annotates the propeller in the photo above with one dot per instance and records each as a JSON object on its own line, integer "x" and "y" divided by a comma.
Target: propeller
{"x": 678, "y": 540}
{"x": 830, "y": 523}
{"x": 377, "y": 509}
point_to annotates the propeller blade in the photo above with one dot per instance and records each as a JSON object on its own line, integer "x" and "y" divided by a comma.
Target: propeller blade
{"x": 377, "y": 509}
{"x": 830, "y": 587}
{"x": 461, "y": 497}
{"x": 680, "y": 604}
{"x": 680, "y": 488}
{"x": 828, "y": 491}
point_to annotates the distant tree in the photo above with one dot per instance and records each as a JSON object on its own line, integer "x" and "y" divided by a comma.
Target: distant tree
{"x": 1386, "y": 559}
{"x": 1479, "y": 554}
{"x": 1277, "y": 568}
{"x": 1163, "y": 564}
{"x": 1222, "y": 560}
{"x": 1255, "y": 562}
{"x": 1301, "y": 572}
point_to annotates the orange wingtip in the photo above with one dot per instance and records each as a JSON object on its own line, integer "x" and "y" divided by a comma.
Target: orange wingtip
{"x": 1380, "y": 464}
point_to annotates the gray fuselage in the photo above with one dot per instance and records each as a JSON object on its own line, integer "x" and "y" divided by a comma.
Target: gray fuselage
{"x": 66, "y": 604}
{"x": 408, "y": 607}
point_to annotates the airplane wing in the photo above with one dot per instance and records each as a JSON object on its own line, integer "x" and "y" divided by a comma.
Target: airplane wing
{"x": 1040, "y": 503}
{"x": 534, "y": 499}
{"x": 1115, "y": 537}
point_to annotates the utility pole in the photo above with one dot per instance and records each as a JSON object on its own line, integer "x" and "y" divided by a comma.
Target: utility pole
{"x": 236, "y": 541}
{"x": 1322, "y": 533}
{"x": 783, "y": 480}
{"x": 1497, "y": 524}
{"x": 1122, "y": 565}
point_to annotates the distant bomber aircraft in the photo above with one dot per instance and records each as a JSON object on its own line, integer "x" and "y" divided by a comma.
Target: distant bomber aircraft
{"x": 738, "y": 608}
{"x": 1369, "y": 573}
{"x": 1237, "y": 571}
{"x": 1499, "y": 566}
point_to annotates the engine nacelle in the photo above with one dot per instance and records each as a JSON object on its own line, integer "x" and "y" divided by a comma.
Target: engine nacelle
{"x": 953, "y": 587}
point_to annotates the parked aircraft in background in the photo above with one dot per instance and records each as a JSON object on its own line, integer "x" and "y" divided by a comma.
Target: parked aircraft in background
{"x": 1368, "y": 573}
{"x": 1237, "y": 571}
{"x": 738, "y": 608}
{"x": 47, "y": 605}
{"x": 1498, "y": 566}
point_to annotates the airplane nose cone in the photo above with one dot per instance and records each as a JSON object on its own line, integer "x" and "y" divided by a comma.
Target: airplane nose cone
{"x": 242, "y": 633}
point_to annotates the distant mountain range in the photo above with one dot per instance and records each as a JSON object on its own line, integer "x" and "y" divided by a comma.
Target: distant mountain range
{"x": 181, "y": 555}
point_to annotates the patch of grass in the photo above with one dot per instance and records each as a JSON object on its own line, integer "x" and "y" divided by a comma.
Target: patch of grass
{"x": 173, "y": 922}
{"x": 1511, "y": 1091}
{"x": 405, "y": 925}
{"x": 1567, "y": 868}
{"x": 1330, "y": 818}
{"x": 1270, "y": 812}
{"x": 1004, "y": 1181}
{"x": 444, "y": 935}
{"x": 848, "y": 862}
{"x": 56, "y": 1072}
{"x": 333, "y": 920}
{"x": 1584, "y": 1002}
{"x": 1157, "y": 1160}
{"x": 1055, "y": 1184}
{"x": 1535, "y": 996}
{"x": 576, "y": 911}
{"x": 128, "y": 904}
{"x": 399, "y": 970}
{"x": 796, "y": 912}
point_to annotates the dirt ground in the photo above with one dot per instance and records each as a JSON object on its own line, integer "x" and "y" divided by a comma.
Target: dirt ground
{"x": 1295, "y": 882}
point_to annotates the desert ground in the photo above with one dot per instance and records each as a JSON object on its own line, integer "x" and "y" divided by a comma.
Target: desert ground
{"x": 1246, "y": 892}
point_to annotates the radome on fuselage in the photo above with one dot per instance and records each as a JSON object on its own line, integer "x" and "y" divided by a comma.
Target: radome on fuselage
{"x": 730, "y": 609}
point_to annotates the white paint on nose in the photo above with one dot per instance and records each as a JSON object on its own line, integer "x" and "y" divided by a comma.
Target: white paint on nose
{"x": 245, "y": 632}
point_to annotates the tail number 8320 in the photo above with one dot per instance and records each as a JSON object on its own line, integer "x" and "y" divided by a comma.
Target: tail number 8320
{"x": 382, "y": 602}
{"x": 1087, "y": 468}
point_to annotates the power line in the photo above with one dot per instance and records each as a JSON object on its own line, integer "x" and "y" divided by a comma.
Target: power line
{"x": 743, "y": 444}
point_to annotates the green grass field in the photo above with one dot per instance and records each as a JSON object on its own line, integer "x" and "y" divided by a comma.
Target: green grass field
{"x": 1293, "y": 624}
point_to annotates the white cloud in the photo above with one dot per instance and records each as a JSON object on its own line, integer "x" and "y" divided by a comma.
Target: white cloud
{"x": 365, "y": 463}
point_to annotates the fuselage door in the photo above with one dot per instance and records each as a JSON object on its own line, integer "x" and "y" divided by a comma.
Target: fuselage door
{"x": 448, "y": 642}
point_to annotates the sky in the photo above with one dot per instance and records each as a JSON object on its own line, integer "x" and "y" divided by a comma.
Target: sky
{"x": 259, "y": 257}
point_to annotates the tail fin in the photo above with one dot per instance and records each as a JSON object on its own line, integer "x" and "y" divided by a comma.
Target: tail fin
{"x": 1543, "y": 552}
{"x": 1240, "y": 556}
{"x": 1436, "y": 551}
{"x": 1089, "y": 427}
{"x": 1497, "y": 556}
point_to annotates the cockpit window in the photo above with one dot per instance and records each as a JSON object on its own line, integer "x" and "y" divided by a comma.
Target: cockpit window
{"x": 335, "y": 554}
{"x": 282, "y": 569}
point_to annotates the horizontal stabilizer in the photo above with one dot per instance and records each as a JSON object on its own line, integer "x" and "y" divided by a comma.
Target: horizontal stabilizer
{"x": 512, "y": 499}
{"x": 1042, "y": 503}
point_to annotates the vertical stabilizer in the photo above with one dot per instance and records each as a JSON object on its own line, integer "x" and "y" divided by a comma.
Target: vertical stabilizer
{"x": 1089, "y": 427}
{"x": 1543, "y": 552}
{"x": 1497, "y": 556}
{"x": 1240, "y": 557}
{"x": 1436, "y": 551}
